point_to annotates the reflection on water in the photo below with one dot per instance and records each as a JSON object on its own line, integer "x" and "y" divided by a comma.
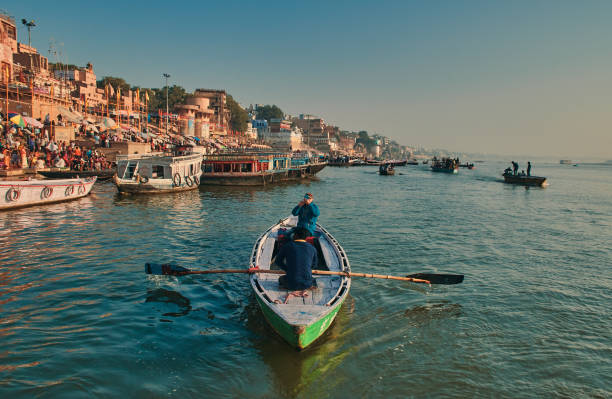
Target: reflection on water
{"x": 424, "y": 313}
{"x": 252, "y": 193}
{"x": 298, "y": 372}
{"x": 165, "y": 296}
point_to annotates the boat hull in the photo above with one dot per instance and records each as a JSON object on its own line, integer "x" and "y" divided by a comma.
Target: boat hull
{"x": 299, "y": 336}
{"x": 261, "y": 178}
{"x": 103, "y": 175}
{"x": 536, "y": 181}
{"x": 126, "y": 186}
{"x": 24, "y": 193}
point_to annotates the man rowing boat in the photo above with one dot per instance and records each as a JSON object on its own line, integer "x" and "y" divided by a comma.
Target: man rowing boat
{"x": 297, "y": 258}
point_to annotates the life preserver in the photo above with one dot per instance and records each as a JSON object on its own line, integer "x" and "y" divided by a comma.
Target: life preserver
{"x": 13, "y": 194}
{"x": 176, "y": 180}
{"x": 143, "y": 179}
{"x": 196, "y": 180}
{"x": 69, "y": 191}
{"x": 82, "y": 188}
{"x": 188, "y": 181}
{"x": 46, "y": 192}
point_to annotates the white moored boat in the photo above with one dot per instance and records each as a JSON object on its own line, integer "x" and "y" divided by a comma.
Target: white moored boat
{"x": 20, "y": 193}
{"x": 300, "y": 320}
{"x": 158, "y": 173}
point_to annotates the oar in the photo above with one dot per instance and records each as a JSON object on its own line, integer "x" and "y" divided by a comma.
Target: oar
{"x": 175, "y": 270}
{"x": 436, "y": 278}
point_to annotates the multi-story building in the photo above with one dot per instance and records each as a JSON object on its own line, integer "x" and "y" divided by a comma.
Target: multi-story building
{"x": 280, "y": 135}
{"x": 218, "y": 103}
{"x": 315, "y": 133}
{"x": 195, "y": 116}
{"x": 8, "y": 45}
{"x": 30, "y": 89}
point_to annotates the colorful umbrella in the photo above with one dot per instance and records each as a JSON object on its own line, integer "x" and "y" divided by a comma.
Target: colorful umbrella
{"x": 18, "y": 120}
{"x": 108, "y": 122}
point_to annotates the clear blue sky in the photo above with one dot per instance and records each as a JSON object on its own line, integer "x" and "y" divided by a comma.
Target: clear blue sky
{"x": 505, "y": 77}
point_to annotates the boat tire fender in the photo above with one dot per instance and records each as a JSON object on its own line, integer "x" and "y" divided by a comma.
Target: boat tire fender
{"x": 46, "y": 192}
{"x": 188, "y": 181}
{"x": 176, "y": 179}
{"x": 69, "y": 191}
{"x": 13, "y": 194}
{"x": 82, "y": 188}
{"x": 196, "y": 180}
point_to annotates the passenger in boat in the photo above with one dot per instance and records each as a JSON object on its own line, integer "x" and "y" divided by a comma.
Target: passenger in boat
{"x": 515, "y": 167}
{"x": 297, "y": 258}
{"x": 307, "y": 213}
{"x": 529, "y": 168}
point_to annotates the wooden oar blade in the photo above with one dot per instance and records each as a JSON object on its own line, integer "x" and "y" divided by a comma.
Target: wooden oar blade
{"x": 435, "y": 278}
{"x": 165, "y": 269}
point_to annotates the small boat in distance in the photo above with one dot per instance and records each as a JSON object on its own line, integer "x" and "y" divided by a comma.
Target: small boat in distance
{"x": 565, "y": 162}
{"x": 158, "y": 173}
{"x": 22, "y": 193}
{"x": 386, "y": 170}
{"x": 412, "y": 162}
{"x": 444, "y": 165}
{"x": 299, "y": 320}
{"x": 524, "y": 180}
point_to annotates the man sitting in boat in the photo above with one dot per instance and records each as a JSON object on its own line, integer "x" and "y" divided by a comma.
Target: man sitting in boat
{"x": 297, "y": 258}
{"x": 307, "y": 213}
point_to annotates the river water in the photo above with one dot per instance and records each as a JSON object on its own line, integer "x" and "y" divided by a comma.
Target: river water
{"x": 79, "y": 317}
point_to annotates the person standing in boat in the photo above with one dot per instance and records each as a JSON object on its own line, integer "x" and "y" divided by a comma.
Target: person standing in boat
{"x": 515, "y": 167}
{"x": 307, "y": 213}
{"x": 297, "y": 258}
{"x": 529, "y": 168}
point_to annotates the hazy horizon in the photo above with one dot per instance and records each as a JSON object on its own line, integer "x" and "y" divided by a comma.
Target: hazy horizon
{"x": 476, "y": 76}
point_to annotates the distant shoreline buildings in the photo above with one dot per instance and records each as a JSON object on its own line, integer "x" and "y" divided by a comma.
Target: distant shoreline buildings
{"x": 33, "y": 87}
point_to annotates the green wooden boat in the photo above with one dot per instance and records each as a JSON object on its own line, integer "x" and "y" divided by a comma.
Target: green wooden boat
{"x": 300, "y": 320}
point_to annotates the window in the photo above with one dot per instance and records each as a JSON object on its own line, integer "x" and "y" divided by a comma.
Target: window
{"x": 208, "y": 168}
{"x": 157, "y": 172}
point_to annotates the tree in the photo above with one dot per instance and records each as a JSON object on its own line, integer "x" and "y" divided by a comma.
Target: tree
{"x": 238, "y": 115}
{"x": 365, "y": 140}
{"x": 57, "y": 66}
{"x": 268, "y": 112}
{"x": 115, "y": 82}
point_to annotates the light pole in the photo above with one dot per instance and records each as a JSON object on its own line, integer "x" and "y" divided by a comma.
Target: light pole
{"x": 29, "y": 25}
{"x": 165, "y": 75}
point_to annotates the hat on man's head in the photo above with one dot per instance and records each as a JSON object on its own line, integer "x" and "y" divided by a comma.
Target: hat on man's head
{"x": 308, "y": 196}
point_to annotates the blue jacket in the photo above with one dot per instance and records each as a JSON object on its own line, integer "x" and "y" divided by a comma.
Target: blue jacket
{"x": 298, "y": 259}
{"x": 307, "y": 216}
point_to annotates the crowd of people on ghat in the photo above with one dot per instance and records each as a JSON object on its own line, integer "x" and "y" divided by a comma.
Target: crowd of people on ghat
{"x": 37, "y": 148}
{"x": 21, "y": 150}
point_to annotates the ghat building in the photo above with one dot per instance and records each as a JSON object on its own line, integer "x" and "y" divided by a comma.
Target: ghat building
{"x": 27, "y": 85}
{"x": 204, "y": 114}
